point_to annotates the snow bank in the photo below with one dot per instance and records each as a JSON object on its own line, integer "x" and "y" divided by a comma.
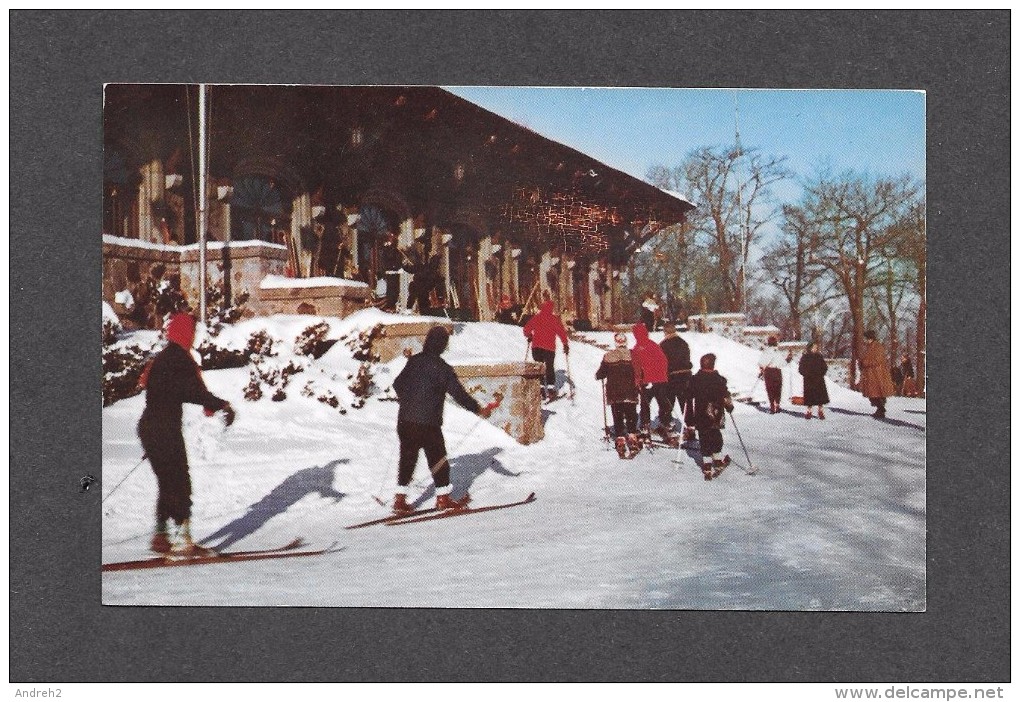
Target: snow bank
{"x": 279, "y": 281}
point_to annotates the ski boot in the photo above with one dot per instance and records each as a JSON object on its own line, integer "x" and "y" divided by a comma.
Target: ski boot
{"x": 668, "y": 437}
{"x": 821, "y": 413}
{"x": 718, "y": 466}
{"x": 633, "y": 445}
{"x": 161, "y": 540}
{"x": 184, "y": 546}
{"x": 621, "y": 447}
{"x": 706, "y": 470}
{"x": 444, "y": 502}
{"x": 400, "y": 505}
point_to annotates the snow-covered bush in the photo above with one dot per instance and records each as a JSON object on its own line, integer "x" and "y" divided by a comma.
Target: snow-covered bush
{"x": 362, "y": 385}
{"x": 122, "y": 367}
{"x": 362, "y": 345}
{"x": 215, "y": 357}
{"x": 218, "y": 314}
{"x": 326, "y": 396}
{"x": 313, "y": 342}
{"x": 274, "y": 375}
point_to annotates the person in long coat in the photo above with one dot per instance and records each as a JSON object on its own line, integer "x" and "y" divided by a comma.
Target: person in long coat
{"x": 813, "y": 367}
{"x": 876, "y": 382}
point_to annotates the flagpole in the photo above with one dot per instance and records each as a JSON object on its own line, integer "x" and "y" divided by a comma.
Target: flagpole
{"x": 202, "y": 206}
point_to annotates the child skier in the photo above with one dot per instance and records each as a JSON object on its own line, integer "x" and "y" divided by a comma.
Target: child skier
{"x": 617, "y": 370}
{"x": 707, "y": 404}
{"x": 170, "y": 380}
{"x": 421, "y": 388}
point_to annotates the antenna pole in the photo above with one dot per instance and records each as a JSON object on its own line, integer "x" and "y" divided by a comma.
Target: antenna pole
{"x": 202, "y": 207}
{"x": 740, "y": 208}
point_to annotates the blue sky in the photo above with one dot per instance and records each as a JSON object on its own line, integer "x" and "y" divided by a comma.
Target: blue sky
{"x": 881, "y": 132}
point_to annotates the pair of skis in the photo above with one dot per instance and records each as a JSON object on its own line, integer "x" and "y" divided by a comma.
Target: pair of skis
{"x": 291, "y": 550}
{"x": 431, "y": 513}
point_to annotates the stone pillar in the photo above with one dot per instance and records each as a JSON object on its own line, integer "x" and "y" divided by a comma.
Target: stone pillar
{"x": 152, "y": 189}
{"x": 567, "y": 309}
{"x": 405, "y": 240}
{"x": 615, "y": 313}
{"x": 514, "y": 267}
{"x": 594, "y": 297}
{"x": 544, "y": 266}
{"x": 485, "y": 312}
{"x": 301, "y": 216}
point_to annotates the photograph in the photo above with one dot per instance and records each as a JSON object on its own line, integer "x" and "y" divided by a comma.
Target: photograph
{"x": 511, "y": 347}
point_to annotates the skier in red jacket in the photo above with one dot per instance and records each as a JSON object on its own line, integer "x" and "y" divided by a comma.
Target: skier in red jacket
{"x": 542, "y": 330}
{"x": 651, "y": 370}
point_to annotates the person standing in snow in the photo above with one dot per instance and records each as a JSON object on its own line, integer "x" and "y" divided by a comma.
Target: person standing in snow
{"x": 542, "y": 330}
{"x": 171, "y": 379}
{"x": 813, "y": 367}
{"x": 770, "y": 365}
{"x": 907, "y": 386}
{"x": 707, "y": 403}
{"x": 617, "y": 369}
{"x": 876, "y": 382}
{"x": 678, "y": 357}
{"x": 421, "y": 388}
{"x": 650, "y": 311}
{"x": 651, "y": 372}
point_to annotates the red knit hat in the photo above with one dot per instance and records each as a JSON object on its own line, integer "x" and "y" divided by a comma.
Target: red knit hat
{"x": 181, "y": 329}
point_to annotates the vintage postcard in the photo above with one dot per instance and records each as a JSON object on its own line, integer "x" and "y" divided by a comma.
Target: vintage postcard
{"x": 492, "y": 347}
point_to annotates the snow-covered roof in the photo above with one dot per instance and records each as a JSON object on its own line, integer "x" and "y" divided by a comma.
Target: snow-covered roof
{"x": 679, "y": 196}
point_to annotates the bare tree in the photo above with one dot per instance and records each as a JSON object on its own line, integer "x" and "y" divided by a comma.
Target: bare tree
{"x": 912, "y": 249}
{"x": 732, "y": 189}
{"x": 855, "y": 218}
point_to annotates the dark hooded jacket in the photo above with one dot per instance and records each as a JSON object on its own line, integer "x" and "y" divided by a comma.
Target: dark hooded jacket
{"x": 544, "y": 327}
{"x": 650, "y": 364}
{"x": 425, "y": 381}
{"x": 678, "y": 354}
{"x": 707, "y": 401}
{"x": 173, "y": 378}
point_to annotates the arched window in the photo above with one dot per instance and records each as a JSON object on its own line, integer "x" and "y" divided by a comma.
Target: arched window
{"x": 258, "y": 210}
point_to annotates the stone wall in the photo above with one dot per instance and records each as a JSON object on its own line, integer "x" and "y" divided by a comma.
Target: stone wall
{"x": 520, "y": 412}
{"x": 729, "y": 325}
{"x": 245, "y": 262}
{"x": 126, "y": 265}
{"x": 323, "y": 300}
{"x": 401, "y": 336}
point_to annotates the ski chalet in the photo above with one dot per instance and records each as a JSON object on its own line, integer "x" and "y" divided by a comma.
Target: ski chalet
{"x": 327, "y": 199}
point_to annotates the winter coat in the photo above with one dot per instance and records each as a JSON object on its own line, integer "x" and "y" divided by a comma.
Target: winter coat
{"x": 678, "y": 355}
{"x": 425, "y": 381}
{"x": 544, "y": 327}
{"x": 813, "y": 367}
{"x": 707, "y": 400}
{"x": 650, "y": 364}
{"x": 173, "y": 379}
{"x": 875, "y": 378}
{"x": 618, "y": 370}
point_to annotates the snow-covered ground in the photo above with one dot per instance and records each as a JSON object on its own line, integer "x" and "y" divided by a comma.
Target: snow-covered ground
{"x": 834, "y": 519}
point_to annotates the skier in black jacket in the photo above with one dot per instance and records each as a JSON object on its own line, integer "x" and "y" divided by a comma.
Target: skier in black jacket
{"x": 707, "y": 404}
{"x": 421, "y": 388}
{"x": 170, "y": 380}
{"x": 678, "y": 357}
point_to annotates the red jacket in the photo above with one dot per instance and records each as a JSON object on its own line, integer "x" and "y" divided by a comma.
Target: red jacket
{"x": 650, "y": 364}
{"x": 544, "y": 327}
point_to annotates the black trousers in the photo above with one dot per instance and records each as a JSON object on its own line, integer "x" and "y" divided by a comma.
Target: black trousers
{"x": 773, "y": 384}
{"x": 624, "y": 418}
{"x": 710, "y": 440}
{"x": 165, "y": 450}
{"x": 548, "y": 358}
{"x": 659, "y": 391}
{"x": 413, "y": 438}
{"x": 677, "y": 387}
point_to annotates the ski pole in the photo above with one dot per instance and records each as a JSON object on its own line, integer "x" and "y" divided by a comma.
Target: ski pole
{"x": 605, "y": 419}
{"x": 144, "y": 457}
{"x": 570, "y": 381}
{"x": 750, "y": 466}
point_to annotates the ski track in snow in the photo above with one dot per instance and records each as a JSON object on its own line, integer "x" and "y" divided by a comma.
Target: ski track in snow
{"x": 834, "y": 519}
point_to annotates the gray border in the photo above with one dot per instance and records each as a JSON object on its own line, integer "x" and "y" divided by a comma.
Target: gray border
{"x": 59, "y": 60}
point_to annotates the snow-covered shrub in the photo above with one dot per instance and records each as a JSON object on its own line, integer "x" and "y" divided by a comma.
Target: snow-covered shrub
{"x": 362, "y": 345}
{"x": 111, "y": 330}
{"x": 260, "y": 344}
{"x": 313, "y": 342}
{"x": 271, "y": 374}
{"x": 122, "y": 367}
{"x": 326, "y": 396}
{"x": 362, "y": 385}
{"x": 217, "y": 313}
{"x": 215, "y": 357}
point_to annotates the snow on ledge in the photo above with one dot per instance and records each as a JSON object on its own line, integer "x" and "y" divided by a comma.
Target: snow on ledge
{"x": 279, "y": 281}
{"x": 139, "y": 244}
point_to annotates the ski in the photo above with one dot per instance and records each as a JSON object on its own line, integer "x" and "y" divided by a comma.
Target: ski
{"x": 461, "y": 512}
{"x": 172, "y": 560}
{"x": 392, "y": 518}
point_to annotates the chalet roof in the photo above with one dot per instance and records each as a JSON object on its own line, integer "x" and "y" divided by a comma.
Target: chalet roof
{"x": 447, "y": 158}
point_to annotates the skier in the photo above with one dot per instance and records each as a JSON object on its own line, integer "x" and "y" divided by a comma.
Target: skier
{"x": 678, "y": 357}
{"x": 907, "y": 386}
{"x": 171, "y": 379}
{"x": 421, "y": 388}
{"x": 651, "y": 371}
{"x": 813, "y": 367}
{"x": 542, "y": 330}
{"x": 707, "y": 402}
{"x": 876, "y": 382}
{"x": 617, "y": 369}
{"x": 770, "y": 364}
